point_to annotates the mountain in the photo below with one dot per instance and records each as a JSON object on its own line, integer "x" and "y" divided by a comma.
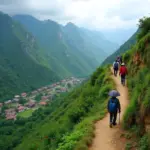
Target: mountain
{"x": 123, "y": 48}
{"x": 93, "y": 43}
{"x": 68, "y": 122}
{"x": 26, "y": 64}
{"x": 119, "y": 36}
{"x": 66, "y": 60}
{"x": 99, "y": 40}
{"x": 83, "y": 46}
{"x": 79, "y": 40}
{"x": 22, "y": 64}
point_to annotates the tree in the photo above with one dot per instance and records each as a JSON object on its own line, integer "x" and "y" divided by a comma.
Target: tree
{"x": 69, "y": 85}
{"x": 144, "y": 25}
{"x": 38, "y": 97}
{"x": 22, "y": 101}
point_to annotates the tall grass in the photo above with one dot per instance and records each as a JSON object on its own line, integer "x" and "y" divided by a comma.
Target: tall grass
{"x": 139, "y": 91}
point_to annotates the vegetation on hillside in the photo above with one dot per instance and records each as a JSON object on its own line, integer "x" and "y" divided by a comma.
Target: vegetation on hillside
{"x": 66, "y": 124}
{"x": 76, "y": 114}
{"x": 64, "y": 59}
{"x": 70, "y": 50}
{"x": 123, "y": 48}
{"x": 22, "y": 65}
{"x": 137, "y": 116}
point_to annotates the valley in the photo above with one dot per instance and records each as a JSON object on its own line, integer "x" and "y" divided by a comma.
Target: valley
{"x": 24, "y": 104}
{"x": 35, "y": 53}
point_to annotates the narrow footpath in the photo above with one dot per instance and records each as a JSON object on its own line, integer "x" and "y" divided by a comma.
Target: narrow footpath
{"x": 107, "y": 138}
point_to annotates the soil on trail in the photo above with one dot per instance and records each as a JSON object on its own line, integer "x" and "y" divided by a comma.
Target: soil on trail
{"x": 107, "y": 138}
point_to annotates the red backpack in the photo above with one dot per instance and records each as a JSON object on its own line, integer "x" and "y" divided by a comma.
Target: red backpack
{"x": 123, "y": 70}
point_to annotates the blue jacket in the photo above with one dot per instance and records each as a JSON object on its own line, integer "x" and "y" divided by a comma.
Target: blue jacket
{"x": 117, "y": 104}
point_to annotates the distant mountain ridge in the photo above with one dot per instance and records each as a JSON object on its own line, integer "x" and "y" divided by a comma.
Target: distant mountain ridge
{"x": 65, "y": 61}
{"x": 34, "y": 53}
{"x": 99, "y": 40}
{"x": 119, "y": 36}
{"x": 74, "y": 38}
{"x": 123, "y": 48}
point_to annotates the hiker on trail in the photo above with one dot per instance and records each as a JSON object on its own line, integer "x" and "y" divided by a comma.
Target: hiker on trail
{"x": 120, "y": 60}
{"x": 116, "y": 67}
{"x": 123, "y": 72}
{"x": 113, "y": 107}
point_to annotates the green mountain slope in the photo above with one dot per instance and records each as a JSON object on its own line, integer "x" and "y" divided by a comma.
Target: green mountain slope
{"x": 69, "y": 45}
{"x": 99, "y": 40}
{"x": 66, "y": 124}
{"x": 77, "y": 39}
{"x": 137, "y": 116}
{"x": 22, "y": 66}
{"x": 77, "y": 42}
{"x": 52, "y": 38}
{"x": 126, "y": 46}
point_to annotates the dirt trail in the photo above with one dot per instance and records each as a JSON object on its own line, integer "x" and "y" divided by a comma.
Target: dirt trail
{"x": 109, "y": 138}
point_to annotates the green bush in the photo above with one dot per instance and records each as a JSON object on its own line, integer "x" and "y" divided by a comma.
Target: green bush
{"x": 146, "y": 100}
{"x": 137, "y": 90}
{"x": 144, "y": 142}
{"x": 144, "y": 25}
{"x": 128, "y": 146}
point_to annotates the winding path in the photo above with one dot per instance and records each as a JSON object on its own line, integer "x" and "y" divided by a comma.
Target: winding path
{"x": 109, "y": 138}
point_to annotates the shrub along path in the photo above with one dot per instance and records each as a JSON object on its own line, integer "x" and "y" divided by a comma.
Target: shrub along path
{"x": 107, "y": 138}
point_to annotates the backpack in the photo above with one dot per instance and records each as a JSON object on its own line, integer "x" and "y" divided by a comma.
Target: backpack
{"x": 112, "y": 105}
{"x": 123, "y": 71}
{"x": 116, "y": 65}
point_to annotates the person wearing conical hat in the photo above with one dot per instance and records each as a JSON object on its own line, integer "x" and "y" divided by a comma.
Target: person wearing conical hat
{"x": 123, "y": 72}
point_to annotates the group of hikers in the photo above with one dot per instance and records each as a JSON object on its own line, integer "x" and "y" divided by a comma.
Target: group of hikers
{"x": 114, "y": 104}
{"x": 119, "y": 65}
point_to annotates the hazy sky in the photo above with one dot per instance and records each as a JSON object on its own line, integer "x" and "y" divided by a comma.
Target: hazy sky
{"x": 98, "y": 14}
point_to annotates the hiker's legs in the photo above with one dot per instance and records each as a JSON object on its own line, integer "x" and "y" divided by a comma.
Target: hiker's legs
{"x": 123, "y": 79}
{"x": 111, "y": 120}
{"x": 114, "y": 118}
{"x": 115, "y": 72}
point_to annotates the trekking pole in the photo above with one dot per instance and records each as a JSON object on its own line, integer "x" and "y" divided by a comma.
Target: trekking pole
{"x": 119, "y": 118}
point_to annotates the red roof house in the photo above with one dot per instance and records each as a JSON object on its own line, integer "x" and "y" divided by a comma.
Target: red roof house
{"x": 24, "y": 94}
{"x": 43, "y": 103}
{"x": 10, "y": 114}
{"x": 44, "y": 98}
{"x": 1, "y": 104}
{"x": 21, "y": 108}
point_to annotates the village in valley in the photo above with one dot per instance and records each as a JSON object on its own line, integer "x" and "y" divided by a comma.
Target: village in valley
{"x": 24, "y": 104}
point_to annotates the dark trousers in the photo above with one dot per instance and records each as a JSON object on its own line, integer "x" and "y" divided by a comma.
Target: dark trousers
{"x": 113, "y": 117}
{"x": 115, "y": 71}
{"x": 123, "y": 77}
